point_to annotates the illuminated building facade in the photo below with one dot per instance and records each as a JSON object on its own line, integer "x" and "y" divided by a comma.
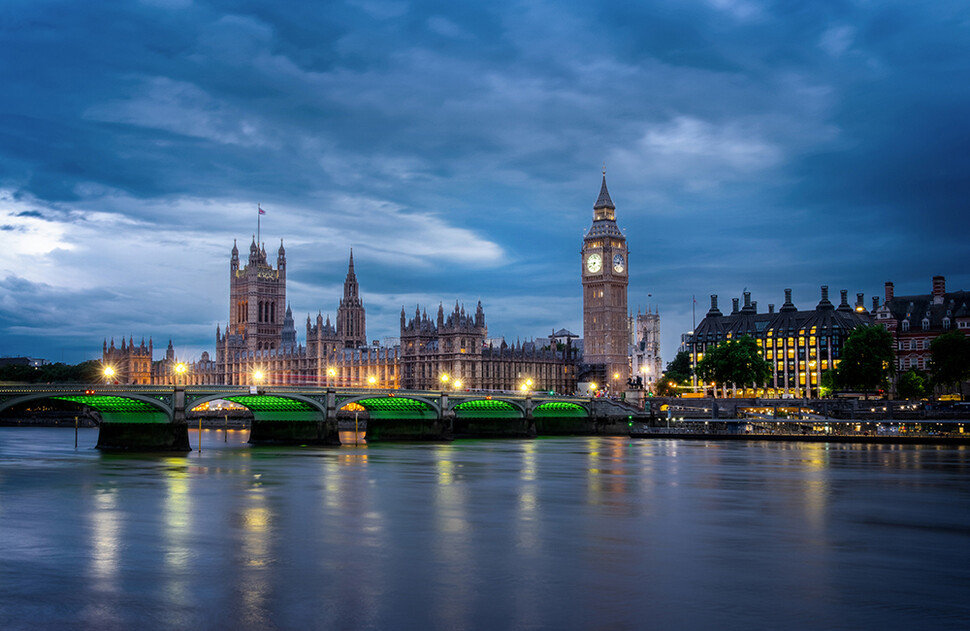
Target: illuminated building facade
{"x": 132, "y": 364}
{"x": 452, "y": 352}
{"x": 645, "y": 360}
{"x": 605, "y": 276}
{"x": 799, "y": 345}
{"x": 915, "y": 321}
{"x": 261, "y": 337}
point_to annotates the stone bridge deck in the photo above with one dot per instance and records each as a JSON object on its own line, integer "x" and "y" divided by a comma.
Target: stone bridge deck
{"x": 154, "y": 417}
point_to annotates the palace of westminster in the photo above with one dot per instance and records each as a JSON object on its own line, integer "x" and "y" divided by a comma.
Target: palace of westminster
{"x": 451, "y": 349}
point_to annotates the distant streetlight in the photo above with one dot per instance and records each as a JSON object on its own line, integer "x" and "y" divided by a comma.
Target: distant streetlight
{"x": 372, "y": 380}
{"x": 457, "y": 384}
{"x": 330, "y": 375}
{"x": 258, "y": 375}
{"x": 109, "y": 374}
{"x": 444, "y": 379}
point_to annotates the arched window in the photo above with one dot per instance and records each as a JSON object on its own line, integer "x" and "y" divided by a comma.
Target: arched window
{"x": 946, "y": 324}
{"x": 905, "y": 325}
{"x": 926, "y": 323}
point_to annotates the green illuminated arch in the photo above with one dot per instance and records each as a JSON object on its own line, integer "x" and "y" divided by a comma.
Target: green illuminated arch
{"x": 559, "y": 409}
{"x": 114, "y": 409}
{"x": 396, "y": 407}
{"x": 267, "y": 407}
{"x": 488, "y": 408}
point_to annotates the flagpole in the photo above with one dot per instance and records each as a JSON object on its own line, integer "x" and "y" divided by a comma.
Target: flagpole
{"x": 257, "y": 224}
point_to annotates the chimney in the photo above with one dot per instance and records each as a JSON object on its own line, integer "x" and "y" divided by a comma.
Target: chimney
{"x": 824, "y": 303}
{"x": 875, "y": 303}
{"x": 734, "y": 305}
{"x": 939, "y": 288}
{"x": 754, "y": 306}
{"x": 771, "y": 308}
{"x": 889, "y": 290}
{"x": 714, "y": 312}
{"x": 747, "y": 299}
{"x": 860, "y": 303}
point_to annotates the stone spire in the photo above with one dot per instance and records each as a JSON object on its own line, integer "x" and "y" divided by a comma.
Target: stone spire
{"x": 604, "y": 201}
{"x": 351, "y": 275}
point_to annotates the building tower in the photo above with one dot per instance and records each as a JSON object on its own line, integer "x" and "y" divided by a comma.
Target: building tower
{"x": 605, "y": 275}
{"x": 350, "y": 314}
{"x": 257, "y": 299}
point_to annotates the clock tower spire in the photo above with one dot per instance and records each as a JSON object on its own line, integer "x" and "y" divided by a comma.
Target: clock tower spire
{"x": 605, "y": 276}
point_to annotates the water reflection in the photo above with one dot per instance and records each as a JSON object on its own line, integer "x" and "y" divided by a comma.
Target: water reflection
{"x": 177, "y": 533}
{"x": 548, "y": 533}
{"x": 451, "y": 543}
{"x": 254, "y": 582}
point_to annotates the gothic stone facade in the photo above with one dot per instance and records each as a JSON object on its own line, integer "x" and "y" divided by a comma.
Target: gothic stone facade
{"x": 605, "y": 276}
{"x": 261, "y": 336}
{"x": 453, "y": 350}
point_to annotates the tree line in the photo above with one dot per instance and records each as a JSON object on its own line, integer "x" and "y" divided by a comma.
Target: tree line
{"x": 867, "y": 365}
{"x": 85, "y": 372}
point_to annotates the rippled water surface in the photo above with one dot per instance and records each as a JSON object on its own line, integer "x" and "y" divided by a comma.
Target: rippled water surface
{"x": 556, "y": 533}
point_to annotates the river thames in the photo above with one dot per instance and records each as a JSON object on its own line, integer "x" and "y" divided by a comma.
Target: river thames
{"x": 552, "y": 533}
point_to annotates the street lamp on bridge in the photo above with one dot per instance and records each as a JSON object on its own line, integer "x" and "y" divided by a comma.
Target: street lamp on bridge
{"x": 109, "y": 374}
{"x": 180, "y": 369}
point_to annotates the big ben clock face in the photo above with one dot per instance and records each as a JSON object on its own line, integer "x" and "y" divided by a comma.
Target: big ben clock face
{"x": 619, "y": 264}
{"x": 594, "y": 262}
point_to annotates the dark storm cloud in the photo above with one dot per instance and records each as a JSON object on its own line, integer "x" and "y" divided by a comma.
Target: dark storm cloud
{"x": 749, "y": 144}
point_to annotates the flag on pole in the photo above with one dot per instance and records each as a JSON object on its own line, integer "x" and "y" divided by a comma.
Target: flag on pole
{"x": 260, "y": 208}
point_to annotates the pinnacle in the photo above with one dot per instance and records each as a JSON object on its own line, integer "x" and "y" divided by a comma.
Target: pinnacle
{"x": 604, "y": 201}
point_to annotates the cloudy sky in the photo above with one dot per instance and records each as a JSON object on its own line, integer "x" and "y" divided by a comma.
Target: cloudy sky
{"x": 457, "y": 147}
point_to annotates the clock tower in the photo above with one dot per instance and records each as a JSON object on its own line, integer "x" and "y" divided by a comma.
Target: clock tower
{"x": 605, "y": 274}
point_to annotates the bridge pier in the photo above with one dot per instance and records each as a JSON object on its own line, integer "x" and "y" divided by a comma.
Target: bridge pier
{"x": 143, "y": 437}
{"x": 147, "y": 436}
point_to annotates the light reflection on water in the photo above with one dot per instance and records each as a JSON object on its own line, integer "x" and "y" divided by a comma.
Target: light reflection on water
{"x": 546, "y": 533}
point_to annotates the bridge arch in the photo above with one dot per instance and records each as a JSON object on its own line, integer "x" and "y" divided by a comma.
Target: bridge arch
{"x": 113, "y": 407}
{"x": 272, "y": 406}
{"x": 488, "y": 407}
{"x": 393, "y": 405}
{"x": 560, "y": 409}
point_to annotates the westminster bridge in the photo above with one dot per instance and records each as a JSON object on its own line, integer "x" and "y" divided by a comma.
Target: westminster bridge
{"x": 154, "y": 417}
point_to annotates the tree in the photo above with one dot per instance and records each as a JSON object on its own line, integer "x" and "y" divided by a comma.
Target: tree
{"x": 678, "y": 372}
{"x": 85, "y": 372}
{"x": 828, "y": 382}
{"x": 679, "y": 369}
{"x": 666, "y": 387}
{"x": 911, "y": 385}
{"x": 950, "y": 360}
{"x": 736, "y": 362}
{"x": 868, "y": 359}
